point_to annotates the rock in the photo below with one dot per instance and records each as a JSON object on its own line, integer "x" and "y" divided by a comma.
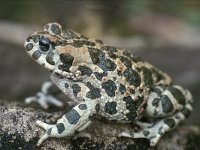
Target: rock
{"x": 18, "y": 131}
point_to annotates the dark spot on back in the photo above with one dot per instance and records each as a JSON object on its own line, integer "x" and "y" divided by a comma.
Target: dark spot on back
{"x": 133, "y": 106}
{"x": 99, "y": 76}
{"x": 110, "y": 65}
{"x": 66, "y": 58}
{"x": 131, "y": 115}
{"x": 98, "y": 57}
{"x": 110, "y": 108}
{"x": 112, "y": 55}
{"x": 94, "y": 54}
{"x": 132, "y": 77}
{"x": 126, "y": 61}
{"x": 81, "y": 43}
{"x": 94, "y": 92}
{"x": 131, "y": 56}
{"x": 148, "y": 80}
{"x": 67, "y": 61}
{"x": 70, "y": 35}
{"x": 109, "y": 87}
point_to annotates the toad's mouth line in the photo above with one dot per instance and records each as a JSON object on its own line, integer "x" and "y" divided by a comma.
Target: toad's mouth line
{"x": 76, "y": 76}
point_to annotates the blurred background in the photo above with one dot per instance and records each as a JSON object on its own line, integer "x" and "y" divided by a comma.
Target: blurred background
{"x": 165, "y": 33}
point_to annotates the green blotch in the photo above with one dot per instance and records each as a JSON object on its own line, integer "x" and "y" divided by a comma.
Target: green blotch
{"x": 110, "y": 108}
{"x": 186, "y": 112}
{"x": 177, "y": 95}
{"x": 166, "y": 104}
{"x": 55, "y": 29}
{"x": 132, "y": 77}
{"x": 170, "y": 122}
{"x": 148, "y": 80}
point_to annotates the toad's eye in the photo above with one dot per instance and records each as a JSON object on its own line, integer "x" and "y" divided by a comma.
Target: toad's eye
{"x": 44, "y": 44}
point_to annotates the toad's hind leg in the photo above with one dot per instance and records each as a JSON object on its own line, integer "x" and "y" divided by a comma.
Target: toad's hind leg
{"x": 77, "y": 119}
{"x": 167, "y": 106}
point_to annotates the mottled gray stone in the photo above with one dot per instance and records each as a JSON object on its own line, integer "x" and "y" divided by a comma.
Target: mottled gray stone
{"x": 18, "y": 131}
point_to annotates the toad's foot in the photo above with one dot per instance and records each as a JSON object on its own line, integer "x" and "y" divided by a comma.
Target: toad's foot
{"x": 44, "y": 98}
{"x": 155, "y": 132}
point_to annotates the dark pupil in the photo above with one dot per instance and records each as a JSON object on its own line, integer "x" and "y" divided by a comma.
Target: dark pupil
{"x": 44, "y": 44}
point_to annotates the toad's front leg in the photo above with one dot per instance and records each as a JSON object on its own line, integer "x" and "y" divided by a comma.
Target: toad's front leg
{"x": 46, "y": 96}
{"x": 77, "y": 119}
